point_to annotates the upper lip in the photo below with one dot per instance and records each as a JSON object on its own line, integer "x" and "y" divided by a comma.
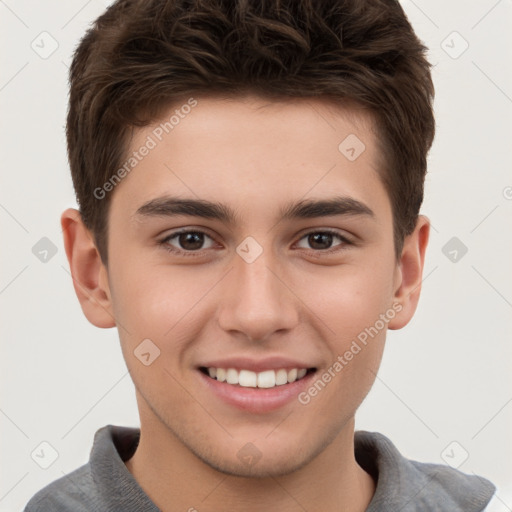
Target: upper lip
{"x": 256, "y": 365}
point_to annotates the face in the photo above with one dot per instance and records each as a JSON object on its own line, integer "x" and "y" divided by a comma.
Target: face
{"x": 253, "y": 283}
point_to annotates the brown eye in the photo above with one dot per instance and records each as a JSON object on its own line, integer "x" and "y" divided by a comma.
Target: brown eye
{"x": 323, "y": 240}
{"x": 186, "y": 241}
{"x": 191, "y": 241}
{"x": 320, "y": 240}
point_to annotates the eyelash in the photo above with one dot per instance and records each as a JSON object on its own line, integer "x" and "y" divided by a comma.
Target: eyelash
{"x": 198, "y": 253}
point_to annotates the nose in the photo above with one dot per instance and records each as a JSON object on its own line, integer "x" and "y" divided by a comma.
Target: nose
{"x": 256, "y": 299}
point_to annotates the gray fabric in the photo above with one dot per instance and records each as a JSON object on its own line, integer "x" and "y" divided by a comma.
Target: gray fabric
{"x": 105, "y": 484}
{"x": 409, "y": 486}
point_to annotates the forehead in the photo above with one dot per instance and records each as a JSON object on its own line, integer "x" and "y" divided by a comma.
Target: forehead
{"x": 254, "y": 153}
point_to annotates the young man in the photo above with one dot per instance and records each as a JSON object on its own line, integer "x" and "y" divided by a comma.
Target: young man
{"x": 249, "y": 176}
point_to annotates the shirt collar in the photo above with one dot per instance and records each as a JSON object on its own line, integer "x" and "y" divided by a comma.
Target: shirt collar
{"x": 402, "y": 484}
{"x": 412, "y": 486}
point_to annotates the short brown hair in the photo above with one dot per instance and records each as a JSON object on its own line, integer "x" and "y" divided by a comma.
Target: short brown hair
{"x": 140, "y": 56}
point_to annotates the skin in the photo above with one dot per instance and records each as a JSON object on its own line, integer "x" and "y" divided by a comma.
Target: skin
{"x": 295, "y": 300}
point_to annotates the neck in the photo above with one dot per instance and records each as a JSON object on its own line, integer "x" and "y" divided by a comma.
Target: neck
{"x": 174, "y": 478}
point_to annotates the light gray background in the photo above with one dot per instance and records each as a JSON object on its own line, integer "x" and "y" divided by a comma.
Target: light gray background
{"x": 446, "y": 377}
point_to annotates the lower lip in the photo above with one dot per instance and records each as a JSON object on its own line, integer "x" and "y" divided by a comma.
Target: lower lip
{"x": 257, "y": 400}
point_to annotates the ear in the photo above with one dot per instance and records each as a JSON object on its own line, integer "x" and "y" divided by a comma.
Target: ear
{"x": 409, "y": 273}
{"x": 90, "y": 277}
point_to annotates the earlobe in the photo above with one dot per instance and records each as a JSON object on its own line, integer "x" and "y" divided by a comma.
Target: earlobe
{"x": 87, "y": 270}
{"x": 410, "y": 273}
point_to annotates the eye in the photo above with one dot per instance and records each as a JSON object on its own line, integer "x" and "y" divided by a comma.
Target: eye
{"x": 188, "y": 242}
{"x": 322, "y": 240}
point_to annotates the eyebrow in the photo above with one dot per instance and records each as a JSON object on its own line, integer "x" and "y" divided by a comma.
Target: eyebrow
{"x": 168, "y": 206}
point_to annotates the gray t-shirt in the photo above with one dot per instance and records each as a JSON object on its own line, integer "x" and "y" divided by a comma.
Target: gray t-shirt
{"x": 105, "y": 484}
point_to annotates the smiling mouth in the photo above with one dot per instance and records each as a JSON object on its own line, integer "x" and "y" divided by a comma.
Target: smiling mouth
{"x": 249, "y": 379}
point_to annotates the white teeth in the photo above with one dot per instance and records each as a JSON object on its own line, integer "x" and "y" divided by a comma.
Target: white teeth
{"x": 281, "y": 377}
{"x": 232, "y": 376}
{"x": 292, "y": 375}
{"x": 249, "y": 379}
{"x": 267, "y": 379}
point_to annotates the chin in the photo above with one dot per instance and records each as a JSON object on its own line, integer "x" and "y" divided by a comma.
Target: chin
{"x": 262, "y": 467}
{"x": 261, "y": 459}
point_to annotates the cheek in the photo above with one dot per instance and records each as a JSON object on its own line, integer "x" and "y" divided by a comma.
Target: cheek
{"x": 356, "y": 311}
{"x": 159, "y": 302}
{"x": 350, "y": 298}
{"x": 354, "y": 305}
